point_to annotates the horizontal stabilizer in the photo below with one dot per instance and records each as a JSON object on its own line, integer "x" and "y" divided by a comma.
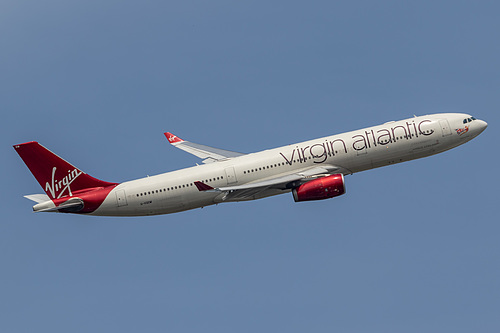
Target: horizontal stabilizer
{"x": 38, "y": 198}
{"x": 72, "y": 205}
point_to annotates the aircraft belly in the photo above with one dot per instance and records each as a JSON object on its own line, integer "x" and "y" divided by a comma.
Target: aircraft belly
{"x": 154, "y": 204}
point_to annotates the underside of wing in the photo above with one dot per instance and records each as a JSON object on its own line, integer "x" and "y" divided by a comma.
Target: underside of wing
{"x": 284, "y": 182}
{"x": 208, "y": 154}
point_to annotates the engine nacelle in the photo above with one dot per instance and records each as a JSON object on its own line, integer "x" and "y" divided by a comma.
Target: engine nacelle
{"x": 321, "y": 188}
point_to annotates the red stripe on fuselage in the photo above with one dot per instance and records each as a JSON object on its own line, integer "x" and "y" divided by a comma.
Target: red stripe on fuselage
{"x": 92, "y": 199}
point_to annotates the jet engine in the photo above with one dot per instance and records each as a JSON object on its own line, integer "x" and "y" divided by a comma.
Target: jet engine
{"x": 321, "y": 188}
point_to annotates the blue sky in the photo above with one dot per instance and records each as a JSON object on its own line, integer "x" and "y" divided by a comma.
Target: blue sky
{"x": 412, "y": 247}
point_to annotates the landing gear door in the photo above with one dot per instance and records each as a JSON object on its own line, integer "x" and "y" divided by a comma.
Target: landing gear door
{"x": 445, "y": 127}
{"x": 230, "y": 175}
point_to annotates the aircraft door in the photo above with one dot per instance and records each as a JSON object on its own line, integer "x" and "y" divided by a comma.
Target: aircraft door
{"x": 445, "y": 127}
{"x": 121, "y": 199}
{"x": 230, "y": 175}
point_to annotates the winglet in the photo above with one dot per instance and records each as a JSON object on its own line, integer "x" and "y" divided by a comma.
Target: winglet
{"x": 172, "y": 138}
{"x": 203, "y": 187}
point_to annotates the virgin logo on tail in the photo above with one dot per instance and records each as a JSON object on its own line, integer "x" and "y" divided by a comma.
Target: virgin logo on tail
{"x": 60, "y": 186}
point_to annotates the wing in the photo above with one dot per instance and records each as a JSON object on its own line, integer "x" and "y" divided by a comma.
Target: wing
{"x": 208, "y": 154}
{"x": 281, "y": 182}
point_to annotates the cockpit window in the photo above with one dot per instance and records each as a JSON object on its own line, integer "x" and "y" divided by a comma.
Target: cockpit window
{"x": 468, "y": 120}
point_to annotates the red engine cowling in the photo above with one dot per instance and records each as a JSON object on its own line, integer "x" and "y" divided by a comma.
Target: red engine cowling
{"x": 321, "y": 188}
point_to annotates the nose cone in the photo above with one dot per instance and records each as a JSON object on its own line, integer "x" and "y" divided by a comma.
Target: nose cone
{"x": 481, "y": 124}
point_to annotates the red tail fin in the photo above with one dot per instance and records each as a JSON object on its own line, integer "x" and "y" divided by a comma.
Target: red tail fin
{"x": 56, "y": 176}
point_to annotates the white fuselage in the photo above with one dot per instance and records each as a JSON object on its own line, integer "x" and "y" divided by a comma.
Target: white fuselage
{"x": 351, "y": 152}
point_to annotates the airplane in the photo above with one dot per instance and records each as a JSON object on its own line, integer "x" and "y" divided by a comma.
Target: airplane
{"x": 310, "y": 170}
